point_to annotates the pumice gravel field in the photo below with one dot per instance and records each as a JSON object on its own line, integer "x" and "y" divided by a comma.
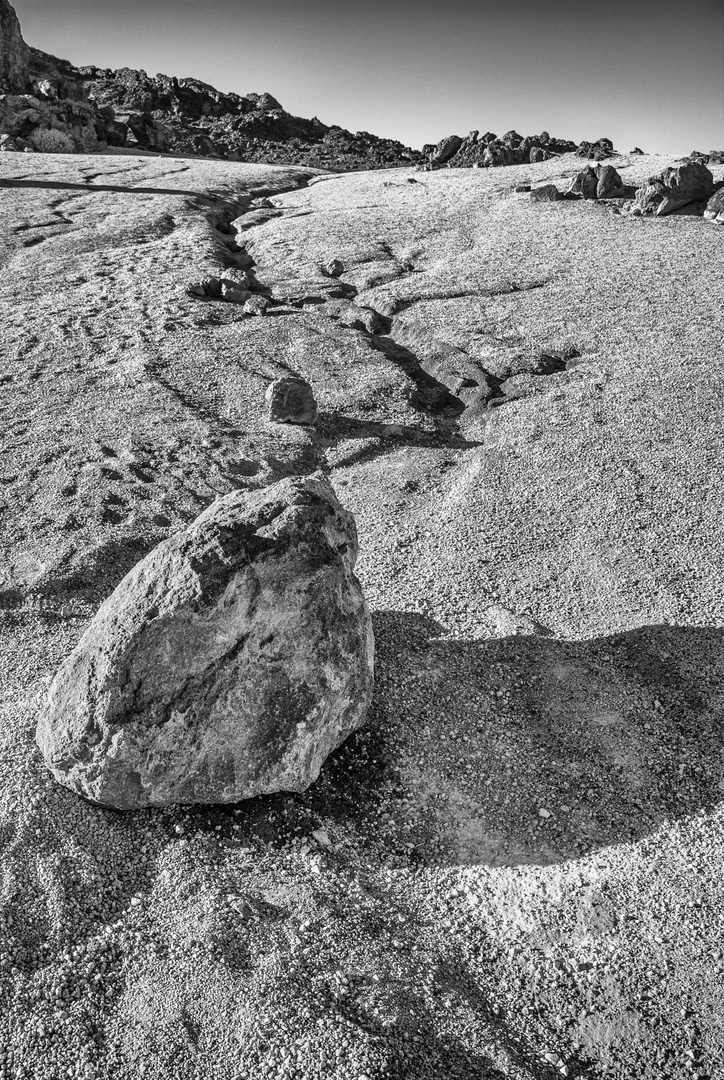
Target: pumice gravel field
{"x": 514, "y": 868}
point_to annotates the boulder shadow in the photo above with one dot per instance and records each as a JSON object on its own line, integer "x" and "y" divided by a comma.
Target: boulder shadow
{"x": 526, "y": 749}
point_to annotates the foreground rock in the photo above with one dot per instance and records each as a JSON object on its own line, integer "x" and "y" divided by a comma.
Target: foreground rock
{"x": 675, "y": 187}
{"x": 715, "y": 208}
{"x": 228, "y": 663}
{"x": 291, "y": 401}
{"x": 601, "y": 182}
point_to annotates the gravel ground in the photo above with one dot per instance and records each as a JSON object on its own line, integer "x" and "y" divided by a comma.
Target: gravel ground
{"x": 514, "y": 870}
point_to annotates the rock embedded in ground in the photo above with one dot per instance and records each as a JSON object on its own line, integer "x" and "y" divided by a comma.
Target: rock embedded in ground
{"x": 228, "y": 663}
{"x": 291, "y": 401}
{"x": 547, "y": 193}
{"x": 334, "y": 268}
{"x": 715, "y": 207}
{"x": 256, "y": 305}
{"x": 233, "y": 293}
{"x": 675, "y": 187}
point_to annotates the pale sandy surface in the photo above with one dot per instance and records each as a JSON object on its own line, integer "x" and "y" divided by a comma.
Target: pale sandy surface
{"x": 548, "y": 610}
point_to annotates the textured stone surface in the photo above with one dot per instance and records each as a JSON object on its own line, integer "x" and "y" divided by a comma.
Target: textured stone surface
{"x": 291, "y": 401}
{"x": 610, "y": 184}
{"x": 675, "y": 187}
{"x": 715, "y": 208}
{"x": 228, "y": 663}
{"x": 585, "y": 183}
{"x": 547, "y": 193}
{"x": 13, "y": 51}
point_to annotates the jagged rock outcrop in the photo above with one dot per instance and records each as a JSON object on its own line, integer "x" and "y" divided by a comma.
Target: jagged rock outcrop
{"x": 675, "y": 187}
{"x": 601, "y": 182}
{"x": 13, "y": 52}
{"x": 597, "y": 151}
{"x": 228, "y": 663}
{"x": 189, "y": 116}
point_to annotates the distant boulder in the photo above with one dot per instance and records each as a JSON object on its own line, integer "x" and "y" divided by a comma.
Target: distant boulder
{"x": 229, "y": 663}
{"x": 675, "y": 187}
{"x": 584, "y": 184}
{"x": 447, "y": 148}
{"x": 537, "y": 153}
{"x": 596, "y": 151}
{"x": 636, "y": 150}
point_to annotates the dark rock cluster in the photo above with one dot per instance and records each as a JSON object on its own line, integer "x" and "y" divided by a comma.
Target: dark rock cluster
{"x": 489, "y": 150}
{"x": 687, "y": 187}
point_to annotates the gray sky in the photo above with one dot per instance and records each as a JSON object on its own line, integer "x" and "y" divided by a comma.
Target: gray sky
{"x": 641, "y": 72}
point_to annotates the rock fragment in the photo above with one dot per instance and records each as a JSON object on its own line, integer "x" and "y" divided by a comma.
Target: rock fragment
{"x": 233, "y": 293}
{"x": 228, "y": 663}
{"x": 334, "y": 268}
{"x": 291, "y": 401}
{"x": 547, "y": 193}
{"x": 256, "y": 305}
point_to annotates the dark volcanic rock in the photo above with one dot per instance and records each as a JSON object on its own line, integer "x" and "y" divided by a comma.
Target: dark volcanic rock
{"x": 610, "y": 184}
{"x": 14, "y": 55}
{"x": 675, "y": 187}
{"x": 547, "y": 193}
{"x": 585, "y": 184}
{"x": 228, "y": 663}
{"x": 446, "y": 149}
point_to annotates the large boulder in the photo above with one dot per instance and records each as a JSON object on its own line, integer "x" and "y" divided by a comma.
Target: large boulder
{"x": 584, "y": 184}
{"x": 715, "y": 207}
{"x": 675, "y": 187}
{"x": 14, "y": 53}
{"x": 610, "y": 184}
{"x": 227, "y": 664}
{"x": 446, "y": 149}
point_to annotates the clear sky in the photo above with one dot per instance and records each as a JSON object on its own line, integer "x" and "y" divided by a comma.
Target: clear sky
{"x": 640, "y": 72}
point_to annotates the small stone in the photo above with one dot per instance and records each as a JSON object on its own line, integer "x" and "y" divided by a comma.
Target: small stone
{"x": 334, "y": 268}
{"x": 547, "y": 193}
{"x": 543, "y": 813}
{"x": 291, "y": 401}
{"x": 322, "y": 838}
{"x": 522, "y": 187}
{"x": 256, "y": 305}
{"x": 234, "y": 294}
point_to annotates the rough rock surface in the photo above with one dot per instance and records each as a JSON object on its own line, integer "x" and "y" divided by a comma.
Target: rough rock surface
{"x": 675, "y": 187}
{"x": 291, "y": 401}
{"x": 228, "y": 663}
{"x": 715, "y": 207}
{"x": 13, "y": 51}
{"x": 548, "y": 614}
{"x": 546, "y": 193}
{"x": 610, "y": 184}
{"x": 585, "y": 183}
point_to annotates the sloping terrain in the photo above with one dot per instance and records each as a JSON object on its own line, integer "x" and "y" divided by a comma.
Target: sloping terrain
{"x": 514, "y": 870}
